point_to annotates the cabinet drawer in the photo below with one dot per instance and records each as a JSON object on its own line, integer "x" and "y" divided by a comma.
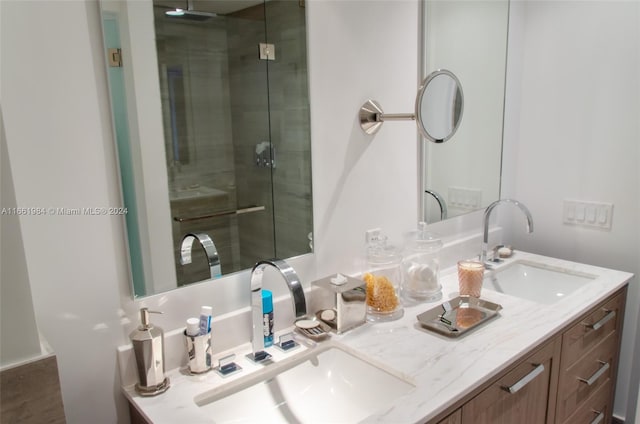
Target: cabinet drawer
{"x": 519, "y": 396}
{"x": 596, "y": 409}
{"x": 586, "y": 334}
{"x": 581, "y": 380}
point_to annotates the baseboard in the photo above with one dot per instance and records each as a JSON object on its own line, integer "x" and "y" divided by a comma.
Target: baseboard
{"x": 616, "y": 420}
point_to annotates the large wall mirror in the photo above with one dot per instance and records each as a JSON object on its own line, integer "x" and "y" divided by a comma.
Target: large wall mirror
{"x": 211, "y": 115}
{"x": 470, "y": 39}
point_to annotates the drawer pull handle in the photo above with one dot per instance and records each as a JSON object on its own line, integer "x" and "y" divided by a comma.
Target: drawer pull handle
{"x": 599, "y": 418}
{"x": 539, "y": 369}
{"x": 603, "y": 368}
{"x": 598, "y": 325}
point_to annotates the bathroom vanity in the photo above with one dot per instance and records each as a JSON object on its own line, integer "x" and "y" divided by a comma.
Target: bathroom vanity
{"x": 535, "y": 362}
{"x": 568, "y": 379}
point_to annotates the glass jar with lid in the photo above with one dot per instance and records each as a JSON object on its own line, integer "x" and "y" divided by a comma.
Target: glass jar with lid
{"x": 383, "y": 281}
{"x": 421, "y": 267}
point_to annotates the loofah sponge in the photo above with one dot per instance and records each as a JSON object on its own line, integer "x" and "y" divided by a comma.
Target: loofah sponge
{"x": 381, "y": 295}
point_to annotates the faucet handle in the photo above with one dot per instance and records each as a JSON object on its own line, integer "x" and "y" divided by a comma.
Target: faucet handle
{"x": 227, "y": 366}
{"x": 286, "y": 342}
{"x": 259, "y": 357}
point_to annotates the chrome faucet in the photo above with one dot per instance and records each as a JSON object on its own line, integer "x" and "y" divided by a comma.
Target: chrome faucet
{"x": 297, "y": 296}
{"x": 441, "y": 203}
{"x": 209, "y": 249}
{"x": 487, "y": 213}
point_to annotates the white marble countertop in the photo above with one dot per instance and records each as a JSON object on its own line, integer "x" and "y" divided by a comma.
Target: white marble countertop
{"x": 443, "y": 369}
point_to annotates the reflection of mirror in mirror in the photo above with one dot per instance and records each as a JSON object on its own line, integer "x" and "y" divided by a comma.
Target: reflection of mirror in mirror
{"x": 439, "y": 106}
{"x": 213, "y": 139}
{"x": 470, "y": 39}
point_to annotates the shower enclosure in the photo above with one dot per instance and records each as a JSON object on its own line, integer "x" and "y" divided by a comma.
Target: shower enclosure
{"x": 236, "y": 131}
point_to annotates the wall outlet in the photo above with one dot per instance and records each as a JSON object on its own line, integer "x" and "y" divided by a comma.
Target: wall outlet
{"x": 372, "y": 235}
{"x": 587, "y": 214}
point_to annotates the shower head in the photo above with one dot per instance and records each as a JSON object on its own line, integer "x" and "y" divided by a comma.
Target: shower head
{"x": 190, "y": 14}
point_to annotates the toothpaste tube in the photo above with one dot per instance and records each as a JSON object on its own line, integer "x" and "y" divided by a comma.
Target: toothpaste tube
{"x": 205, "y": 319}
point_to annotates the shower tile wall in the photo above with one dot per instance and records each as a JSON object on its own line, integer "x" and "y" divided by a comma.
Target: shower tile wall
{"x": 199, "y": 50}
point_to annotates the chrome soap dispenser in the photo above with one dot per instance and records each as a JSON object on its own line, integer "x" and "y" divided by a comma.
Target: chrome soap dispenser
{"x": 148, "y": 346}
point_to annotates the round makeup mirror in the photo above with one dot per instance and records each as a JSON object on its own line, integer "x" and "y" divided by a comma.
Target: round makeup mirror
{"x": 438, "y": 111}
{"x": 439, "y": 106}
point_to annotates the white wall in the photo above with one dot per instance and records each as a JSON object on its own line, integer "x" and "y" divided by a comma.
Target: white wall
{"x": 361, "y": 182}
{"x": 573, "y": 116}
{"x": 19, "y": 340}
{"x": 56, "y": 114}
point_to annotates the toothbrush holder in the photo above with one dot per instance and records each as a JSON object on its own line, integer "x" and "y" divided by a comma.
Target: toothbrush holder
{"x": 198, "y": 352}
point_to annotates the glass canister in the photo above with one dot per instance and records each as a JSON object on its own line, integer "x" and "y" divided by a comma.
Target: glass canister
{"x": 383, "y": 281}
{"x": 421, "y": 266}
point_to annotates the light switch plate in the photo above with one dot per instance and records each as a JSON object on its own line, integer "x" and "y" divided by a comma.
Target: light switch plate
{"x": 464, "y": 198}
{"x": 587, "y": 213}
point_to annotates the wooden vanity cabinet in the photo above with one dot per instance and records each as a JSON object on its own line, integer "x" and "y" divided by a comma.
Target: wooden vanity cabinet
{"x": 598, "y": 408}
{"x": 569, "y": 380}
{"x": 588, "y": 368}
{"x": 522, "y": 395}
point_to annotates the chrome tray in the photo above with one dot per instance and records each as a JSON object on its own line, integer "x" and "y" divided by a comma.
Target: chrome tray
{"x": 457, "y": 316}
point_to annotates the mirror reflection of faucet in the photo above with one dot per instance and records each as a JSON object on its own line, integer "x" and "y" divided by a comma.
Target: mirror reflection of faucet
{"x": 441, "y": 203}
{"x": 209, "y": 249}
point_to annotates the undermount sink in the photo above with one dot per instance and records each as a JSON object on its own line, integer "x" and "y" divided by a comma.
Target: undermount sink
{"x": 326, "y": 384}
{"x": 536, "y": 282}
